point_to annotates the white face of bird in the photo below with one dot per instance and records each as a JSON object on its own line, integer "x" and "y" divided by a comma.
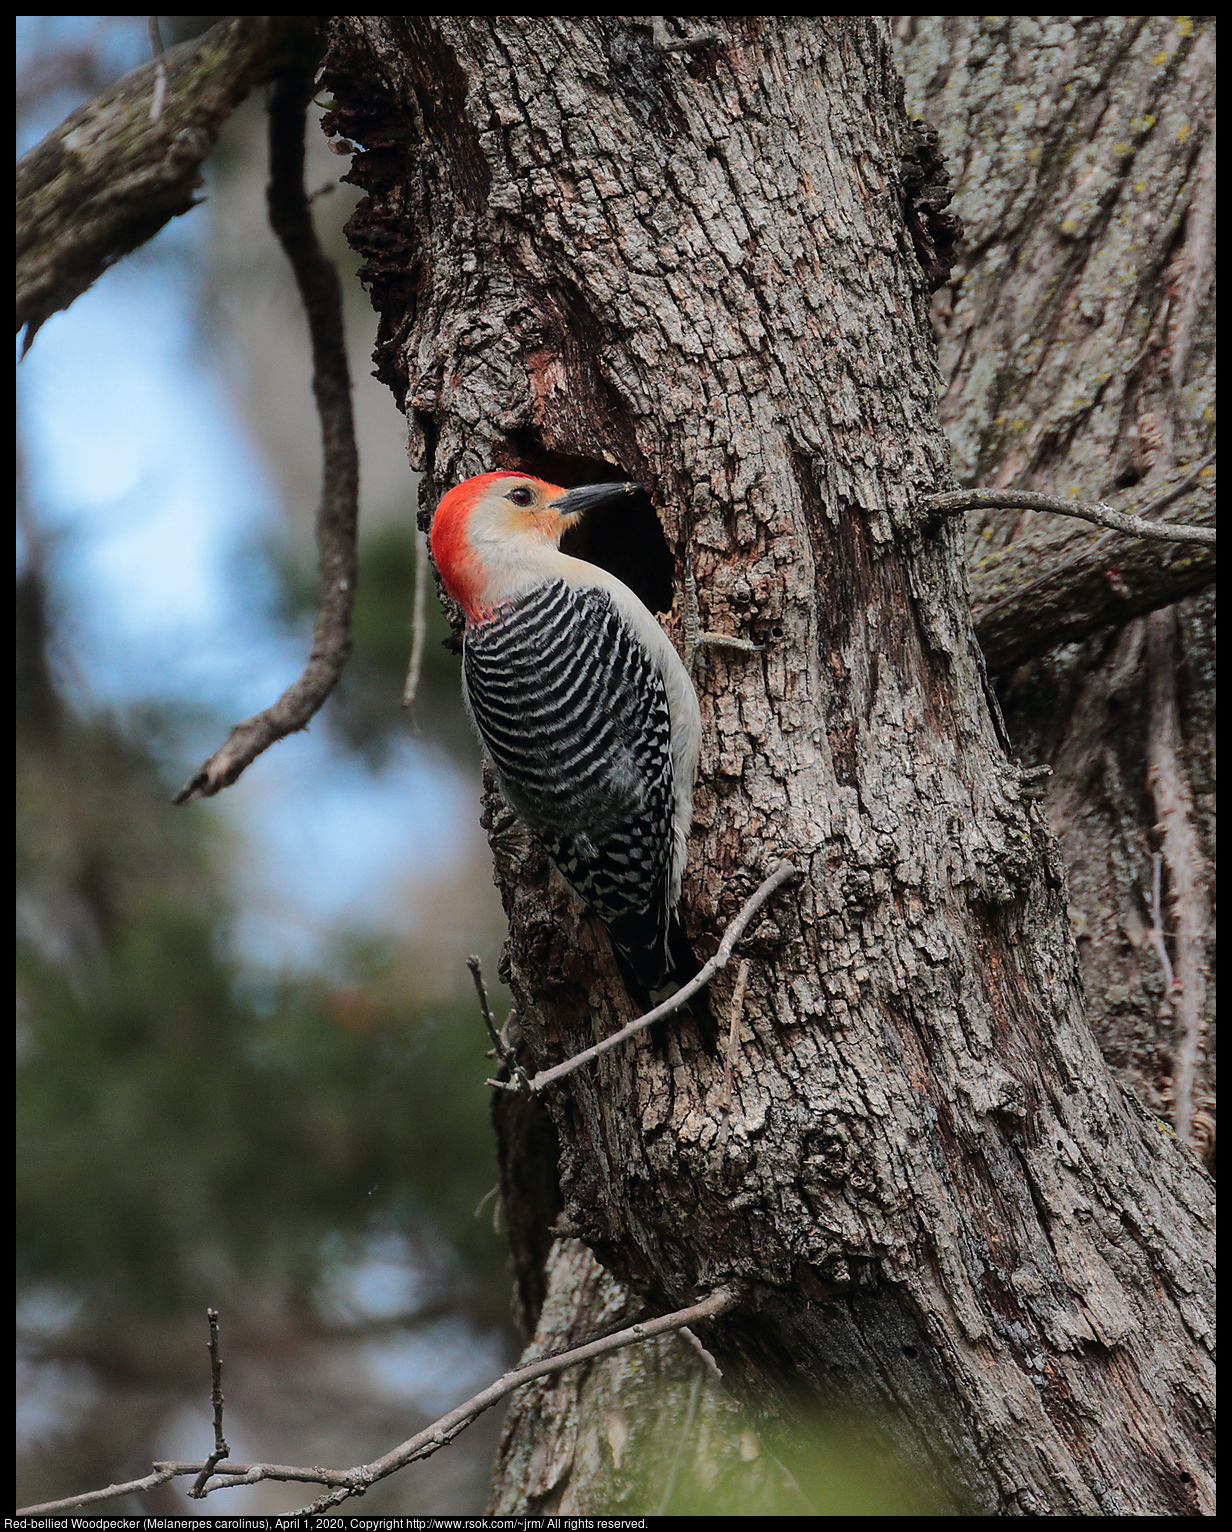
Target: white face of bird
{"x": 500, "y": 532}
{"x": 515, "y": 510}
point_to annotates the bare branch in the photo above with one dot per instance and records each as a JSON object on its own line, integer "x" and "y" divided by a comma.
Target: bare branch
{"x": 1042, "y": 590}
{"x": 733, "y": 1032}
{"x": 337, "y": 514}
{"x": 160, "y": 68}
{"x": 782, "y": 872}
{"x": 708, "y": 1361}
{"x": 114, "y": 171}
{"x": 356, "y": 1481}
{"x": 489, "y": 1021}
{"x": 956, "y": 502}
{"x": 444, "y": 1430}
{"x": 221, "y": 1450}
{"x": 161, "y": 1475}
{"x": 419, "y": 622}
{"x": 233, "y": 1474}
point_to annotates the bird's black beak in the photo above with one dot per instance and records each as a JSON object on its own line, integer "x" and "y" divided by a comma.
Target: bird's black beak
{"x": 586, "y": 496}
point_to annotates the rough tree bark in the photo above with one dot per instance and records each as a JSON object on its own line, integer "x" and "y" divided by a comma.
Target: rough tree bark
{"x": 693, "y": 265}
{"x": 1077, "y": 341}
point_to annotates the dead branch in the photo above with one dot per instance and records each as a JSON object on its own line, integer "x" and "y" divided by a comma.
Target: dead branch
{"x": 221, "y": 1450}
{"x": 115, "y": 171}
{"x": 485, "y": 1009}
{"x": 419, "y": 623}
{"x": 782, "y": 872}
{"x": 160, "y": 68}
{"x": 1042, "y": 590}
{"x": 956, "y": 502}
{"x": 346, "y": 1482}
{"x": 708, "y": 1361}
{"x": 337, "y": 515}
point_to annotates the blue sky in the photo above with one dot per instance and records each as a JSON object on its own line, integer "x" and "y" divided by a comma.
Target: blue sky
{"x": 152, "y": 503}
{"x": 152, "y": 500}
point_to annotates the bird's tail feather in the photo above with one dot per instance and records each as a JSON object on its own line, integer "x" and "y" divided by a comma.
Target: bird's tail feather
{"x": 655, "y": 969}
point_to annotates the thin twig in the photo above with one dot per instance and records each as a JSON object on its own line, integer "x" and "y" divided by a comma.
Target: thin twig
{"x": 356, "y": 1481}
{"x": 492, "y": 1194}
{"x": 160, "y": 68}
{"x": 161, "y": 1475}
{"x": 669, "y": 1489}
{"x": 419, "y": 622}
{"x": 1156, "y": 933}
{"x": 708, "y": 640}
{"x": 233, "y": 1474}
{"x": 733, "y": 1032}
{"x": 216, "y": 1395}
{"x": 481, "y": 989}
{"x": 708, "y": 1361}
{"x": 291, "y": 219}
{"x": 449, "y": 1426}
{"x": 958, "y": 501}
{"x": 501, "y": 1047}
{"x": 221, "y": 1450}
{"x": 782, "y": 872}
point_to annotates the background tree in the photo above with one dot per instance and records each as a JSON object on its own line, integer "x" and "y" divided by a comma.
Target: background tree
{"x": 288, "y": 1139}
{"x": 701, "y": 258}
{"x": 1077, "y": 345}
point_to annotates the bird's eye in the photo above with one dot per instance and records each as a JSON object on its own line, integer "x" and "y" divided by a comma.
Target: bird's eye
{"x": 521, "y": 495}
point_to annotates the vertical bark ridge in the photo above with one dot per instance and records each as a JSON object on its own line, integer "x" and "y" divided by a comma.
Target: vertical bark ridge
{"x": 1077, "y": 343}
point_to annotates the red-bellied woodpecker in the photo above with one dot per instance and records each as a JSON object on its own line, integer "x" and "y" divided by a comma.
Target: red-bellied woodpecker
{"x": 583, "y": 707}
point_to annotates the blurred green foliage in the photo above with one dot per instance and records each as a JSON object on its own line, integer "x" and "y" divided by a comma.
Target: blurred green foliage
{"x": 831, "y": 1470}
{"x": 832, "y": 1464}
{"x": 192, "y": 1132}
{"x": 189, "y": 1133}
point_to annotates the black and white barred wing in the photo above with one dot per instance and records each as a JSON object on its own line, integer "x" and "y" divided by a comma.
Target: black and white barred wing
{"x": 574, "y": 716}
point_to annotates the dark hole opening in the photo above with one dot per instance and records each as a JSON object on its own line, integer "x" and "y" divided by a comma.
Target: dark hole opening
{"x": 624, "y": 538}
{"x": 1128, "y": 478}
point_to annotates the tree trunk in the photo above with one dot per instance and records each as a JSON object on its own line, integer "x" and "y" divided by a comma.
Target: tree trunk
{"x": 1078, "y": 347}
{"x": 594, "y": 253}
